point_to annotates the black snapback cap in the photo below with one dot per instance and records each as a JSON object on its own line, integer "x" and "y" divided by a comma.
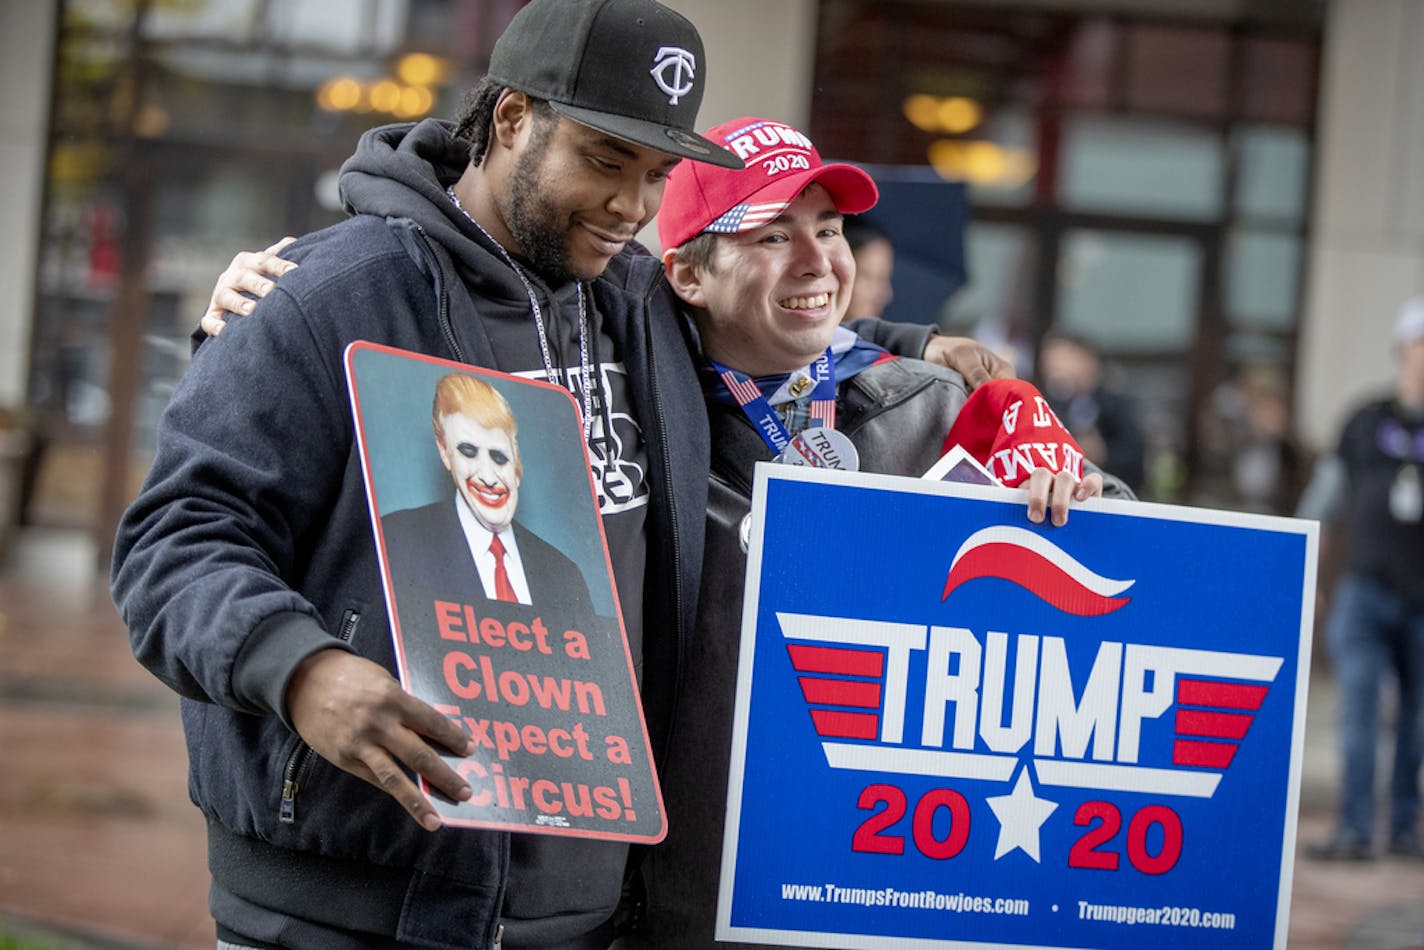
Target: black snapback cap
{"x": 631, "y": 68}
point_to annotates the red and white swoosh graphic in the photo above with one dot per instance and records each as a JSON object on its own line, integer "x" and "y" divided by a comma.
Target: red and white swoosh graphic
{"x": 1038, "y": 566}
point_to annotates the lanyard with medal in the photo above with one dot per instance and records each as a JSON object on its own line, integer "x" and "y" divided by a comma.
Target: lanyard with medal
{"x": 820, "y": 445}
{"x": 1406, "y": 496}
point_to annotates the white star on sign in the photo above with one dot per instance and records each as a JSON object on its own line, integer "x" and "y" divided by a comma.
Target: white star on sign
{"x": 1020, "y": 816}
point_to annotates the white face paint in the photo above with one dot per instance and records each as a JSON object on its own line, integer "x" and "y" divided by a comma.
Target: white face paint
{"x": 484, "y": 464}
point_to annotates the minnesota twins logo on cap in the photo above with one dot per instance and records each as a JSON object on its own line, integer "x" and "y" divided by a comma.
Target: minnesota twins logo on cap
{"x": 625, "y": 67}
{"x": 683, "y": 66}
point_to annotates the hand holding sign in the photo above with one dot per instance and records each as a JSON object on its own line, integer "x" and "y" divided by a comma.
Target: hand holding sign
{"x": 356, "y": 716}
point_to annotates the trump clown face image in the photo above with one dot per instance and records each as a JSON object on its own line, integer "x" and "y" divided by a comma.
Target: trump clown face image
{"x": 476, "y": 436}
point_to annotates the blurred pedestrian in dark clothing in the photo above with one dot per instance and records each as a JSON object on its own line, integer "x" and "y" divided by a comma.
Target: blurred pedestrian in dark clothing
{"x": 1250, "y": 459}
{"x": 1103, "y": 421}
{"x": 874, "y": 264}
{"x": 1371, "y": 485}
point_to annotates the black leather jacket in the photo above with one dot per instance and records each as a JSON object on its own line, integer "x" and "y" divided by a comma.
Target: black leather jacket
{"x": 896, "y": 414}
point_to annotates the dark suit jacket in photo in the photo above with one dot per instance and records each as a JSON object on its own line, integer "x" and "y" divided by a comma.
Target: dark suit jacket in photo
{"x": 427, "y": 551}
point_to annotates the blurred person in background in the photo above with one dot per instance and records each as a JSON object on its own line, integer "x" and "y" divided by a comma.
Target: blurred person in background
{"x": 1103, "y": 421}
{"x": 1251, "y": 458}
{"x": 874, "y": 264}
{"x": 1370, "y": 487}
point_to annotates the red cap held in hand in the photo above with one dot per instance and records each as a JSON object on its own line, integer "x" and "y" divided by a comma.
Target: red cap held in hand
{"x": 1007, "y": 426}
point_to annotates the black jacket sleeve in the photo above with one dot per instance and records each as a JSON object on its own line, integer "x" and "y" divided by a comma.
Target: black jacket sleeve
{"x": 253, "y": 442}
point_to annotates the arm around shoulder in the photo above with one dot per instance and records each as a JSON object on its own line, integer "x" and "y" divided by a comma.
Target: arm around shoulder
{"x": 968, "y": 357}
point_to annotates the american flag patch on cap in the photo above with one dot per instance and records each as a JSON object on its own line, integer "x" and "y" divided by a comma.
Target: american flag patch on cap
{"x": 744, "y": 217}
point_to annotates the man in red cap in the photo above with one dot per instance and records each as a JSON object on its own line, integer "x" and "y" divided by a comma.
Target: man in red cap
{"x": 759, "y": 258}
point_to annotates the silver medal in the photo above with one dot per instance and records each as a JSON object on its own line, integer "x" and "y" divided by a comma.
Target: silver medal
{"x": 745, "y": 533}
{"x": 1406, "y": 499}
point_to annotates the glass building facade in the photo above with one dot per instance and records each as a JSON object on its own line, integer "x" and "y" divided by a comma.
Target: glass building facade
{"x": 1142, "y": 183}
{"x": 1139, "y": 181}
{"x": 182, "y": 131}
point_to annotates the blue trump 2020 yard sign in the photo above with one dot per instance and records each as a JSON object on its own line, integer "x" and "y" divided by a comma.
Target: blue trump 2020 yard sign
{"x": 957, "y": 728}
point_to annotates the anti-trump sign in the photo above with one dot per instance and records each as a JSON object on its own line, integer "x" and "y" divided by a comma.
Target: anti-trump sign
{"x": 956, "y": 728}
{"x": 499, "y": 588}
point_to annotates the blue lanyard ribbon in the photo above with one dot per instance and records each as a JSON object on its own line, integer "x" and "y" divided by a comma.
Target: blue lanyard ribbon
{"x": 753, "y": 402}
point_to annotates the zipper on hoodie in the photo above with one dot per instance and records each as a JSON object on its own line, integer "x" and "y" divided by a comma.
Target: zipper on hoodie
{"x": 300, "y": 760}
{"x": 442, "y": 295}
{"x": 677, "y": 591}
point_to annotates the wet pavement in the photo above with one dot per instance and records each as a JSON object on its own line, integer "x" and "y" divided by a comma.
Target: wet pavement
{"x": 101, "y": 850}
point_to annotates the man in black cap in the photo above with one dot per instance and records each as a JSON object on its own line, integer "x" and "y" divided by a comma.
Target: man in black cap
{"x": 245, "y": 569}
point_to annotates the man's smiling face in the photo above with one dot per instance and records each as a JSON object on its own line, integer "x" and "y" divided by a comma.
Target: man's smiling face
{"x": 484, "y": 464}
{"x": 576, "y": 196}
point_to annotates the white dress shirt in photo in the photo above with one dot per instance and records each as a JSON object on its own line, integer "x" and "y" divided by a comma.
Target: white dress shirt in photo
{"x": 479, "y": 537}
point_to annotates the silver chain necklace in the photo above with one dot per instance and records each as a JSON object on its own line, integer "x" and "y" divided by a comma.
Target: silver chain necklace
{"x": 550, "y": 372}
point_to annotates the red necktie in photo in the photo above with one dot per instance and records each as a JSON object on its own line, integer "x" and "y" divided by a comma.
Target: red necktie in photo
{"x": 503, "y": 589}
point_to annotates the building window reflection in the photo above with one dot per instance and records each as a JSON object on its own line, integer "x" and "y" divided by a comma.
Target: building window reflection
{"x": 179, "y": 133}
{"x": 1142, "y": 180}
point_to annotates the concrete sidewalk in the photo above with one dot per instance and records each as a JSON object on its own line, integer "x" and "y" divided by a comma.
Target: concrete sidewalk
{"x": 101, "y": 850}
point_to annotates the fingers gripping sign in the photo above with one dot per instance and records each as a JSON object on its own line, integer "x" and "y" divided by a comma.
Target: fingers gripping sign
{"x": 1009, "y": 427}
{"x": 1052, "y": 492}
{"x": 249, "y": 273}
{"x": 356, "y": 716}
